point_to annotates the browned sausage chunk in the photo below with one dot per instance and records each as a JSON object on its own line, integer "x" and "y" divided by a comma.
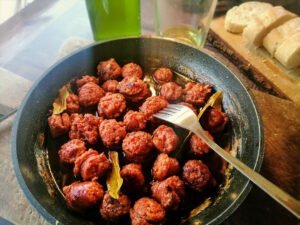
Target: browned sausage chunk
{"x": 81, "y": 196}
{"x": 147, "y": 211}
{"x": 86, "y": 79}
{"x": 91, "y": 165}
{"x": 134, "y": 89}
{"x": 196, "y": 174}
{"x": 198, "y": 146}
{"x": 72, "y": 103}
{"x": 137, "y": 146}
{"x": 109, "y": 69}
{"x": 85, "y": 127}
{"x": 189, "y": 105}
{"x": 113, "y": 209}
{"x": 153, "y": 105}
{"x": 110, "y": 86}
{"x": 214, "y": 121}
{"x": 90, "y": 94}
{"x": 165, "y": 139}
{"x": 196, "y": 93}
{"x": 135, "y": 121}
{"x": 133, "y": 177}
{"x": 112, "y": 105}
{"x": 112, "y": 132}
{"x": 132, "y": 70}
{"x": 165, "y": 166}
{"x": 163, "y": 75}
{"x": 171, "y": 91}
{"x": 71, "y": 150}
{"x": 169, "y": 192}
{"x": 59, "y": 124}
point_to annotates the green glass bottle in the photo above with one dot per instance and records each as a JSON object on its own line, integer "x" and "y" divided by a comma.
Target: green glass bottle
{"x": 114, "y": 18}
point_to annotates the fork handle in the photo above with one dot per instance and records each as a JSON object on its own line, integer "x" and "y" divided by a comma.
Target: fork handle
{"x": 283, "y": 198}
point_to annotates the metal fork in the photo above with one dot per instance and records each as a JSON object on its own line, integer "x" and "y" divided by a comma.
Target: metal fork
{"x": 184, "y": 117}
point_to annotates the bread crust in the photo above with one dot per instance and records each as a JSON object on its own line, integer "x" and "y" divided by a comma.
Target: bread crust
{"x": 261, "y": 25}
{"x": 288, "y": 53}
{"x": 278, "y": 35}
{"x": 238, "y": 17}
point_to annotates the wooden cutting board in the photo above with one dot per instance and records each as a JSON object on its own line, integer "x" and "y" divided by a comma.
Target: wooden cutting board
{"x": 257, "y": 63}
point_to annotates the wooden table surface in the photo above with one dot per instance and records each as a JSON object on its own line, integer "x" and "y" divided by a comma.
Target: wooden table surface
{"x": 29, "y": 43}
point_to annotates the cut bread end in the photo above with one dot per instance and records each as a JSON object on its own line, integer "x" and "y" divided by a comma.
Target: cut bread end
{"x": 288, "y": 53}
{"x": 259, "y": 27}
{"x": 232, "y": 25}
{"x": 279, "y": 34}
{"x": 238, "y": 17}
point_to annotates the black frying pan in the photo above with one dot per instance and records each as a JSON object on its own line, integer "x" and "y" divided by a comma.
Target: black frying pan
{"x": 31, "y": 163}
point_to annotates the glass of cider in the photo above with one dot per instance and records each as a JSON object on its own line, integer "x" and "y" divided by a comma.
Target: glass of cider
{"x": 186, "y": 21}
{"x": 111, "y": 19}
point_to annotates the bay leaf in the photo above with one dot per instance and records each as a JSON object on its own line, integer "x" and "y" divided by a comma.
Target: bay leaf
{"x": 114, "y": 180}
{"x": 60, "y": 103}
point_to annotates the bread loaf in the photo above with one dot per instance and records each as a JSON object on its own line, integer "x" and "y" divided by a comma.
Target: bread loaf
{"x": 238, "y": 17}
{"x": 278, "y": 35}
{"x": 262, "y": 24}
{"x": 288, "y": 53}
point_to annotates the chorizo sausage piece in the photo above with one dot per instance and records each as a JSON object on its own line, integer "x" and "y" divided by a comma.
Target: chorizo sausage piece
{"x": 85, "y": 127}
{"x": 147, "y": 211}
{"x": 137, "y": 146}
{"x": 164, "y": 167}
{"x": 133, "y": 178}
{"x": 91, "y": 165}
{"x": 110, "y": 86}
{"x": 169, "y": 192}
{"x": 134, "y": 89}
{"x": 71, "y": 150}
{"x": 112, "y": 105}
{"x": 113, "y": 209}
{"x": 153, "y": 104}
{"x": 196, "y": 174}
{"x": 72, "y": 103}
{"x": 214, "y": 120}
{"x": 132, "y": 70}
{"x": 135, "y": 121}
{"x": 171, "y": 91}
{"x": 109, "y": 69}
{"x": 59, "y": 124}
{"x": 89, "y": 128}
{"x": 86, "y": 79}
{"x": 165, "y": 139}
{"x": 112, "y": 132}
{"x": 163, "y": 75}
{"x": 198, "y": 146}
{"x": 141, "y": 96}
{"x": 75, "y": 119}
{"x": 81, "y": 196}
{"x": 196, "y": 93}
{"x": 90, "y": 94}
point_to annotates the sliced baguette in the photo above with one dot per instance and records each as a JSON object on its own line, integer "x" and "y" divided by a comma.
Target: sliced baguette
{"x": 262, "y": 24}
{"x": 238, "y": 17}
{"x": 278, "y": 35}
{"x": 288, "y": 53}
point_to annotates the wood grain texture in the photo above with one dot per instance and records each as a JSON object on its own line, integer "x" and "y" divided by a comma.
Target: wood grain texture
{"x": 281, "y": 121}
{"x": 258, "y": 62}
